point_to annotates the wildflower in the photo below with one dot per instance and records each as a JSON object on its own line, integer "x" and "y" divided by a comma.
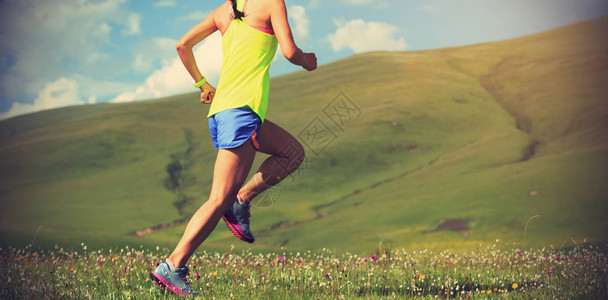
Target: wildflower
{"x": 514, "y": 286}
{"x": 214, "y": 273}
{"x": 71, "y": 269}
{"x": 299, "y": 260}
{"x": 421, "y": 277}
{"x": 124, "y": 270}
{"x": 488, "y": 292}
{"x": 549, "y": 272}
{"x": 519, "y": 252}
{"x": 281, "y": 259}
{"x": 326, "y": 274}
{"x": 373, "y": 257}
{"x": 197, "y": 276}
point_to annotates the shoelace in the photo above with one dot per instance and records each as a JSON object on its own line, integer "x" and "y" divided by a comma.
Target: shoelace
{"x": 248, "y": 212}
{"x": 184, "y": 275}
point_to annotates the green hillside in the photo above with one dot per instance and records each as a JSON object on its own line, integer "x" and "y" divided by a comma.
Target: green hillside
{"x": 448, "y": 148}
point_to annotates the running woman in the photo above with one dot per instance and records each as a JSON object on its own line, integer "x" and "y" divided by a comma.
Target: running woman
{"x": 251, "y": 30}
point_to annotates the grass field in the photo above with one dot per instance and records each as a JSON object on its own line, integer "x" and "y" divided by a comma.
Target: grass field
{"x": 443, "y": 150}
{"x": 500, "y": 271}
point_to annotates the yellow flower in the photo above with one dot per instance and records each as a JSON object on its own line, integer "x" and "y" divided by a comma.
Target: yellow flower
{"x": 421, "y": 277}
{"x": 214, "y": 273}
{"x": 514, "y": 286}
{"x": 455, "y": 261}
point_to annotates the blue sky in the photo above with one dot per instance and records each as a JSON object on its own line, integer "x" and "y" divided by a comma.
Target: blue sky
{"x": 56, "y": 53}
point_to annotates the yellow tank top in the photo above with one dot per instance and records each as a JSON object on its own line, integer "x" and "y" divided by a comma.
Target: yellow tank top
{"x": 244, "y": 78}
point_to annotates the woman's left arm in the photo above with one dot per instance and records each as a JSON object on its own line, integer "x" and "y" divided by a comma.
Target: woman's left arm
{"x": 184, "y": 50}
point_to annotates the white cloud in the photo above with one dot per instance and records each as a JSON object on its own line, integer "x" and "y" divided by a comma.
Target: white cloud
{"x": 428, "y": 7}
{"x": 151, "y": 53}
{"x": 358, "y": 2}
{"x": 52, "y": 39}
{"x": 173, "y": 78}
{"x": 302, "y": 23}
{"x": 59, "y": 93}
{"x": 91, "y": 87}
{"x": 314, "y": 4}
{"x": 361, "y": 36}
{"x": 164, "y": 4}
{"x": 194, "y": 16}
{"x": 132, "y": 24}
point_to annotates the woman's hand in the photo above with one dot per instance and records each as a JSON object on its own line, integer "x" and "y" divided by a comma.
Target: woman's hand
{"x": 207, "y": 93}
{"x": 310, "y": 61}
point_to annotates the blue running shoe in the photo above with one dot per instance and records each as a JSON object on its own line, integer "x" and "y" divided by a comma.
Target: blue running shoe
{"x": 237, "y": 219}
{"x": 176, "y": 282}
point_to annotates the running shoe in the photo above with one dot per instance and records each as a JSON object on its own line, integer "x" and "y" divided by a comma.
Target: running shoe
{"x": 237, "y": 219}
{"x": 176, "y": 282}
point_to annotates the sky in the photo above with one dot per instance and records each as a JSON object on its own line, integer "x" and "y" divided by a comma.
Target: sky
{"x": 56, "y": 53}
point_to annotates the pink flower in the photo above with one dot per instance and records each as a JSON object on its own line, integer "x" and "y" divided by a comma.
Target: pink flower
{"x": 281, "y": 259}
{"x": 519, "y": 252}
{"x": 549, "y": 272}
{"x": 299, "y": 260}
{"x": 373, "y": 257}
{"x": 197, "y": 276}
{"x": 326, "y": 274}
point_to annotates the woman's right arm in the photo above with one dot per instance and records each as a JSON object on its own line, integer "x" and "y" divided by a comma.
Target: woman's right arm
{"x": 184, "y": 50}
{"x": 280, "y": 25}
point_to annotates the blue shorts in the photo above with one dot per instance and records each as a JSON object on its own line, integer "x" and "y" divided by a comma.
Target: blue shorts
{"x": 233, "y": 127}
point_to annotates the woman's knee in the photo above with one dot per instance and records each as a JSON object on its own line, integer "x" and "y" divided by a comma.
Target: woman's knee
{"x": 294, "y": 154}
{"x": 220, "y": 202}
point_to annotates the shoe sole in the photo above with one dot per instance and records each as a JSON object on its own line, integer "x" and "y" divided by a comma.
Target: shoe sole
{"x": 235, "y": 228}
{"x": 163, "y": 283}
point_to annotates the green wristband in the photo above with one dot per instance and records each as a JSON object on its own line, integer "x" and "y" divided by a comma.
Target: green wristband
{"x": 200, "y": 83}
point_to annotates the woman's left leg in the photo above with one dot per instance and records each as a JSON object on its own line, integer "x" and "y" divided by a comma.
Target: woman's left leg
{"x": 231, "y": 169}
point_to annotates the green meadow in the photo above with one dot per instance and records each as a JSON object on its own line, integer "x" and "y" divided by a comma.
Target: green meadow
{"x": 447, "y": 149}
